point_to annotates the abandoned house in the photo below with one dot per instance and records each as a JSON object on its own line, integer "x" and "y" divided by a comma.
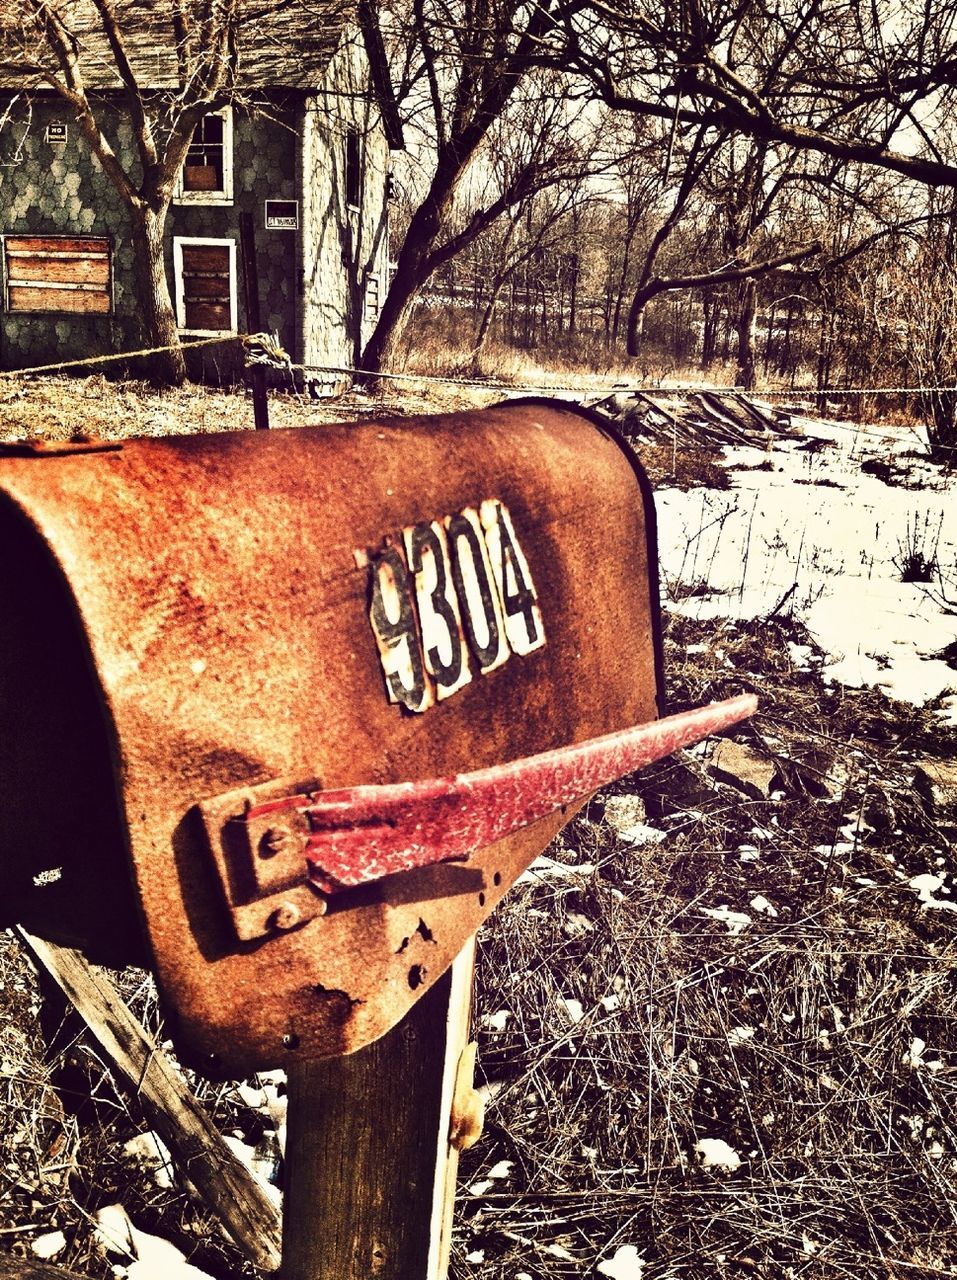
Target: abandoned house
{"x": 304, "y": 149}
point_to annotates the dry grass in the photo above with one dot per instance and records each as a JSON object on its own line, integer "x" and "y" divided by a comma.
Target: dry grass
{"x": 682, "y": 467}
{"x": 61, "y": 408}
{"x": 789, "y": 1040}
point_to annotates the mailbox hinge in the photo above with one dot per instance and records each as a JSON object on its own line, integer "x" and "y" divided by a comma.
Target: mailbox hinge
{"x": 257, "y": 836}
{"x": 282, "y": 849}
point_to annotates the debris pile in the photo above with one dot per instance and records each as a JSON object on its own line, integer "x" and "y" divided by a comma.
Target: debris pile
{"x": 710, "y": 418}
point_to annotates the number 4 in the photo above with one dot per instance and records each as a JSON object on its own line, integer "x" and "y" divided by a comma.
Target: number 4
{"x": 523, "y": 619}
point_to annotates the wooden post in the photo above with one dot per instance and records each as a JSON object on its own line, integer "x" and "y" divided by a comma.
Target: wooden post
{"x": 370, "y": 1161}
{"x": 247, "y": 247}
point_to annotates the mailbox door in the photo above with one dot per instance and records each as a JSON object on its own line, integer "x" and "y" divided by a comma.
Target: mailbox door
{"x": 249, "y": 616}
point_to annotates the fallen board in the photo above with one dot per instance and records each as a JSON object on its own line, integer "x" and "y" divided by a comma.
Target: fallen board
{"x": 194, "y": 1142}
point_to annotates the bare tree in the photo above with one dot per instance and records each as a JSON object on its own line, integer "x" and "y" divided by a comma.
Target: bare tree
{"x": 924, "y": 320}
{"x": 871, "y": 84}
{"x": 460, "y": 68}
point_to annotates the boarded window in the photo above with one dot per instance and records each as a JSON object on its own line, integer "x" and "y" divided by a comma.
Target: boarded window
{"x": 205, "y": 160}
{"x": 206, "y": 177}
{"x": 205, "y": 286}
{"x": 57, "y": 273}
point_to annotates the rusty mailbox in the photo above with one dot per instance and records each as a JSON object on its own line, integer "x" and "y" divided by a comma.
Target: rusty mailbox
{"x": 284, "y": 715}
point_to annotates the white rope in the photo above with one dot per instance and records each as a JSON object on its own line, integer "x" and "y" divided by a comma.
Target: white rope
{"x": 265, "y": 348}
{"x": 114, "y": 355}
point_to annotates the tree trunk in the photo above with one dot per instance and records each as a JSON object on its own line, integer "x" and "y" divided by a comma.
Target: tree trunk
{"x": 747, "y": 316}
{"x": 824, "y": 354}
{"x": 623, "y": 279}
{"x": 488, "y": 314}
{"x": 942, "y": 425}
{"x": 167, "y": 368}
{"x": 784, "y": 357}
{"x": 413, "y": 268}
{"x": 709, "y": 334}
{"x": 770, "y": 345}
{"x": 636, "y": 322}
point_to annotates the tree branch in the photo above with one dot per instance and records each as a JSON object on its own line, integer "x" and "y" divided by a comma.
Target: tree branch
{"x": 709, "y": 280}
{"x": 73, "y": 91}
{"x": 142, "y": 129}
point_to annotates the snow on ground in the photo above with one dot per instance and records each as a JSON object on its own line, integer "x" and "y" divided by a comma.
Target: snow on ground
{"x": 814, "y": 534}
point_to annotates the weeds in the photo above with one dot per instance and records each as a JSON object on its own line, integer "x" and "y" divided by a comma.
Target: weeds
{"x": 682, "y": 467}
{"x": 795, "y": 1040}
{"x": 700, "y": 553}
{"x": 916, "y": 559}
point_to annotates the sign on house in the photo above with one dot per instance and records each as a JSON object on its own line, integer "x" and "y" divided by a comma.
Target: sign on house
{"x": 282, "y": 215}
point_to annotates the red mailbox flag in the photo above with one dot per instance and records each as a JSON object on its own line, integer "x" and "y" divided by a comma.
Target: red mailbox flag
{"x": 355, "y": 835}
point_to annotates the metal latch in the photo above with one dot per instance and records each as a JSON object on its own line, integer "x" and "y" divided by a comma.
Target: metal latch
{"x": 57, "y": 448}
{"x": 283, "y": 849}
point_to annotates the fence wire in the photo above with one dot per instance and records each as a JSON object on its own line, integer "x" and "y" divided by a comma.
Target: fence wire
{"x": 256, "y": 344}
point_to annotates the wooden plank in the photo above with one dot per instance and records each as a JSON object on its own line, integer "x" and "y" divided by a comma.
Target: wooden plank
{"x": 207, "y": 315}
{"x": 257, "y": 375}
{"x": 25, "y": 298}
{"x": 205, "y": 257}
{"x": 195, "y": 1144}
{"x": 453, "y": 1135}
{"x": 72, "y": 270}
{"x": 201, "y": 177}
{"x": 55, "y": 244}
{"x": 15, "y": 254}
{"x": 202, "y": 288}
{"x": 13, "y": 1268}
{"x": 368, "y": 1155}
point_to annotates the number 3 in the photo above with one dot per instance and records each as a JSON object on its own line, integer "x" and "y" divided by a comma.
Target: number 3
{"x": 446, "y": 657}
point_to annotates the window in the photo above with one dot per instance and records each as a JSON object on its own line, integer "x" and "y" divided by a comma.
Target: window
{"x": 57, "y": 273}
{"x": 207, "y": 176}
{"x": 372, "y": 298}
{"x": 353, "y": 170}
{"x": 205, "y": 275}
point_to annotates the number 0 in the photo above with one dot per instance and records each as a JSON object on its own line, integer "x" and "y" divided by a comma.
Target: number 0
{"x": 472, "y": 575}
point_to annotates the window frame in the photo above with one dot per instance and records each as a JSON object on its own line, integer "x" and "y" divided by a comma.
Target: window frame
{"x": 180, "y": 290}
{"x": 225, "y": 196}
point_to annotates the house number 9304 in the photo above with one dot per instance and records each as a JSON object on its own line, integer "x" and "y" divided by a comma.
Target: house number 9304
{"x": 451, "y": 597}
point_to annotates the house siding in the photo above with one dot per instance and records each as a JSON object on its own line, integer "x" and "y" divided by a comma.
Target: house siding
{"x": 337, "y": 237}
{"x": 54, "y": 189}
